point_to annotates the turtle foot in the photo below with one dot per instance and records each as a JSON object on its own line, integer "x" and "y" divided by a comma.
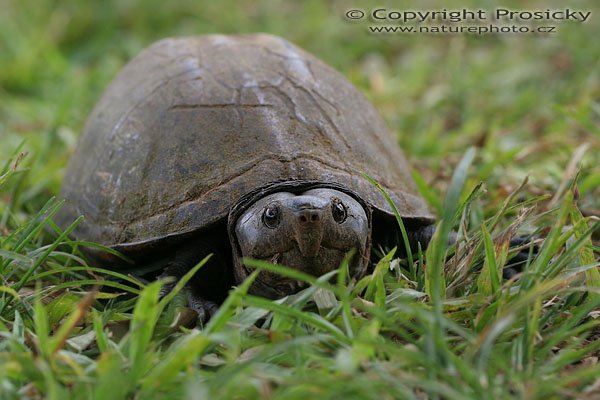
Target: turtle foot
{"x": 204, "y": 308}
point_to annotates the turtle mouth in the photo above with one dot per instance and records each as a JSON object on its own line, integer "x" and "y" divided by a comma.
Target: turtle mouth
{"x": 310, "y": 251}
{"x": 302, "y": 259}
{"x": 273, "y": 287}
{"x": 289, "y": 286}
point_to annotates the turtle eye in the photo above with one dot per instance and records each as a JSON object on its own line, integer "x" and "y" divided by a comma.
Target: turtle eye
{"x": 338, "y": 209}
{"x": 271, "y": 216}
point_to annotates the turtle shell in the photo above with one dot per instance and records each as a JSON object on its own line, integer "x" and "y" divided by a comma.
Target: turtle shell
{"x": 193, "y": 124}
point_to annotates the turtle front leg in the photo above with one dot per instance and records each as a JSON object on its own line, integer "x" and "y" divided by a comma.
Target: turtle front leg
{"x": 207, "y": 287}
{"x": 204, "y": 308}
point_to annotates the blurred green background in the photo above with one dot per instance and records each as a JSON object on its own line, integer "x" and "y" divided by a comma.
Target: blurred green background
{"x": 526, "y": 100}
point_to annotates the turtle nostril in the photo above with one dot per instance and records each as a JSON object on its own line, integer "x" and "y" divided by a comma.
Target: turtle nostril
{"x": 309, "y": 216}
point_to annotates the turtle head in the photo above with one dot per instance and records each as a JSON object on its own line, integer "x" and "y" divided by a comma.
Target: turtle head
{"x": 310, "y": 231}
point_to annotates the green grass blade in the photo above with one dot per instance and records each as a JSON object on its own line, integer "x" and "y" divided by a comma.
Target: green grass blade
{"x": 390, "y": 202}
{"x": 145, "y": 316}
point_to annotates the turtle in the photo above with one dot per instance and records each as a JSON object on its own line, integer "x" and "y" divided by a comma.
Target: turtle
{"x": 237, "y": 146}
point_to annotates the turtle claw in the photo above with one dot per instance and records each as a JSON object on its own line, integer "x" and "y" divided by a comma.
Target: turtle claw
{"x": 204, "y": 308}
{"x": 167, "y": 287}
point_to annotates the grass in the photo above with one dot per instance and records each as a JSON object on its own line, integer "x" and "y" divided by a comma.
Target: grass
{"x": 444, "y": 326}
